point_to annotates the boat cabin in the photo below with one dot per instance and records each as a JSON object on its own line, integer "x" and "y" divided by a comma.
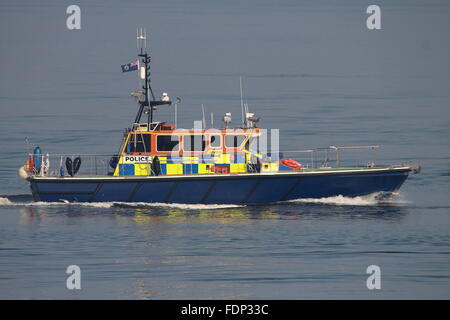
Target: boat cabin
{"x": 165, "y": 150}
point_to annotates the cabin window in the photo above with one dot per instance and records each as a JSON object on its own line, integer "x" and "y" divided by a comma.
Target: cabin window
{"x": 139, "y": 143}
{"x": 214, "y": 141}
{"x": 194, "y": 142}
{"x": 167, "y": 143}
{"x": 234, "y": 140}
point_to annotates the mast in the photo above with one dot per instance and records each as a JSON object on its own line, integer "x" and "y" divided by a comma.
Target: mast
{"x": 147, "y": 105}
{"x": 147, "y": 88}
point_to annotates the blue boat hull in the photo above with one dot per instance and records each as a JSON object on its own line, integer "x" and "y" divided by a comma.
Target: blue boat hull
{"x": 219, "y": 189}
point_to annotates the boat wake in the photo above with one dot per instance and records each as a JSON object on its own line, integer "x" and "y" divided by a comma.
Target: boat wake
{"x": 176, "y": 205}
{"x": 5, "y": 201}
{"x": 368, "y": 200}
{"x": 373, "y": 199}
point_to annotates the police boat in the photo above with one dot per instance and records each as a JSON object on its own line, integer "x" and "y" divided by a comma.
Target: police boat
{"x": 160, "y": 163}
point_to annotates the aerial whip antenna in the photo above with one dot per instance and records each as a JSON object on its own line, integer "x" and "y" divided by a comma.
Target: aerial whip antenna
{"x": 178, "y": 100}
{"x": 242, "y": 101}
{"x": 203, "y": 117}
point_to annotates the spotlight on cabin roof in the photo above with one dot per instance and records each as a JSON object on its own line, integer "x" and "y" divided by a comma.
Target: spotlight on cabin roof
{"x": 251, "y": 119}
{"x": 165, "y": 97}
{"x": 227, "y": 118}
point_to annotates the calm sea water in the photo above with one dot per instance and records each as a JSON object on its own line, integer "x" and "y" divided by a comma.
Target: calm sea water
{"x": 311, "y": 69}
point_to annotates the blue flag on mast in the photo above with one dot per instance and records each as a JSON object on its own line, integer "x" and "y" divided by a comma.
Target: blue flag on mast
{"x": 134, "y": 65}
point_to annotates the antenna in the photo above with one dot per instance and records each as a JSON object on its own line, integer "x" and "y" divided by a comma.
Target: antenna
{"x": 178, "y": 100}
{"x": 145, "y": 38}
{"x": 141, "y": 38}
{"x": 212, "y": 120}
{"x": 242, "y": 101}
{"x": 246, "y": 115}
{"x": 176, "y": 114}
{"x": 203, "y": 117}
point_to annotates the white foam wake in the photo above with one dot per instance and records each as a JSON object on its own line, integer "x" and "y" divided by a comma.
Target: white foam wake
{"x": 368, "y": 200}
{"x": 177, "y": 205}
{"x": 7, "y": 202}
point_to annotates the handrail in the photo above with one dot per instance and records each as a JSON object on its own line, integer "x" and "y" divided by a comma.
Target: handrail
{"x": 338, "y": 149}
{"x": 93, "y": 164}
{"x": 73, "y": 155}
{"x": 354, "y": 147}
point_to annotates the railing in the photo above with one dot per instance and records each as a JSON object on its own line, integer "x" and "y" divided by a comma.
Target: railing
{"x": 56, "y": 165}
{"x": 100, "y": 165}
{"x": 334, "y": 156}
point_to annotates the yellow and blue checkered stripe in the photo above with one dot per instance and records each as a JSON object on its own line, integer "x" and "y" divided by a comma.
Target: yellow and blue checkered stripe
{"x": 178, "y": 165}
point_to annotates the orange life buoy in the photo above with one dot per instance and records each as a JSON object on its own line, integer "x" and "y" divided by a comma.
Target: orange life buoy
{"x": 30, "y": 164}
{"x": 291, "y": 163}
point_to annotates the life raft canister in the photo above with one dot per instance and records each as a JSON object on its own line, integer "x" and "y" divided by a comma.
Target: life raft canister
{"x": 291, "y": 163}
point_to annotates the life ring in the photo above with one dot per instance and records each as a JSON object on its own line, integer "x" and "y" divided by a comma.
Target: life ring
{"x": 30, "y": 165}
{"x": 291, "y": 163}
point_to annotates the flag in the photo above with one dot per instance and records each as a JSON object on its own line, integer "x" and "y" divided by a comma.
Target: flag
{"x": 134, "y": 65}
